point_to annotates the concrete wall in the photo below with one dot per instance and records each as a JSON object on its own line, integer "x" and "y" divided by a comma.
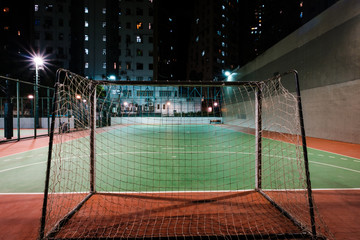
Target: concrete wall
{"x": 326, "y": 53}
{"x": 43, "y": 122}
{"x": 163, "y": 120}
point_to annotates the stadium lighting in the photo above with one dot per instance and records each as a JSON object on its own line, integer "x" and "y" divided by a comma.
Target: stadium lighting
{"x": 38, "y": 63}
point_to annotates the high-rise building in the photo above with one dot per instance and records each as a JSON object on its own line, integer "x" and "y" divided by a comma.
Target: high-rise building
{"x": 52, "y": 32}
{"x": 118, "y": 39}
{"x": 214, "y": 46}
{"x": 136, "y": 40}
{"x": 16, "y": 34}
{"x": 172, "y": 27}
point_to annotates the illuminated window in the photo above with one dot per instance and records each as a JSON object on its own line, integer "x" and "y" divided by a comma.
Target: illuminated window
{"x": 104, "y": 10}
{"x": 36, "y": 7}
{"x": 104, "y": 38}
{"x": 104, "y": 51}
{"x": 49, "y": 8}
{"x": 19, "y": 33}
{"x": 197, "y": 39}
{"x": 139, "y": 25}
{"x": 86, "y": 37}
{"x": 86, "y": 65}
{"x": 86, "y": 51}
{"x": 86, "y": 24}
{"x": 6, "y": 28}
{"x": 86, "y": 10}
{"x": 6, "y": 10}
{"x": 103, "y": 24}
{"x": 150, "y": 26}
{"x": 114, "y": 65}
{"x": 104, "y": 65}
{"x": 138, "y": 39}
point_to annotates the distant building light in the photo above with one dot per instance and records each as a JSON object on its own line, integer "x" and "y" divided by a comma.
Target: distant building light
{"x": 36, "y": 7}
{"x": 86, "y": 10}
{"x": 31, "y": 96}
{"x": 112, "y": 77}
{"x": 6, "y": 10}
{"x": 170, "y": 19}
{"x": 227, "y": 73}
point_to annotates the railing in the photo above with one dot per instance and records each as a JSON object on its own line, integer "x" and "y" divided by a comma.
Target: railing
{"x": 24, "y": 109}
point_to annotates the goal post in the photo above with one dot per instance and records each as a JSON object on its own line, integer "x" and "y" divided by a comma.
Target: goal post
{"x": 178, "y": 160}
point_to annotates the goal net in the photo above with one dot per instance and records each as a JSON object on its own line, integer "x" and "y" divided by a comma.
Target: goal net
{"x": 177, "y": 160}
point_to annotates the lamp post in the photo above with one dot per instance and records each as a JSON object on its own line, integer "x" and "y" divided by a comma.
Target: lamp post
{"x": 38, "y": 62}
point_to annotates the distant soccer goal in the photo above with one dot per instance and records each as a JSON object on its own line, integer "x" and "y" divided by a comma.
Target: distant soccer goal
{"x": 178, "y": 160}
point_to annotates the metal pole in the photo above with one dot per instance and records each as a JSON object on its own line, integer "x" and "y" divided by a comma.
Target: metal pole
{"x": 306, "y": 160}
{"x": 92, "y": 137}
{"x": 258, "y": 137}
{"x": 48, "y": 109}
{"x": 36, "y": 107}
{"x": 51, "y": 142}
{"x": 18, "y": 109}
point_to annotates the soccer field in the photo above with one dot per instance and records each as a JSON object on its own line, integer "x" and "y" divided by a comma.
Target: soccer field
{"x": 165, "y": 158}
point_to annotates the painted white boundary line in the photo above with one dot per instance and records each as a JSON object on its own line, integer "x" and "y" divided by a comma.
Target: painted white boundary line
{"x": 332, "y": 152}
{"x": 334, "y": 166}
{"x": 22, "y": 166}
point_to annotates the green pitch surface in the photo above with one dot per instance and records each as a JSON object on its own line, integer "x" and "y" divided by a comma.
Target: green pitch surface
{"x": 170, "y": 158}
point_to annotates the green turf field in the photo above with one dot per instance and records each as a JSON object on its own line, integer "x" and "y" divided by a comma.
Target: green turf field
{"x": 172, "y": 158}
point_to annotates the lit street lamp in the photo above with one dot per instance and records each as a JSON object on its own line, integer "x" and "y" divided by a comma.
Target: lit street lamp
{"x": 38, "y": 63}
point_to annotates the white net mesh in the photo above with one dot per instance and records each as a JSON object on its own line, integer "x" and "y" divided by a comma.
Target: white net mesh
{"x": 176, "y": 161}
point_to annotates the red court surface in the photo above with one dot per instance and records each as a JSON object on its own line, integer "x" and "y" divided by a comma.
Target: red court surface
{"x": 340, "y": 209}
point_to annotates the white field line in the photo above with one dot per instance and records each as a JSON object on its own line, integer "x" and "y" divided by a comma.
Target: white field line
{"x": 22, "y": 166}
{"x": 334, "y": 166}
{"x": 331, "y": 152}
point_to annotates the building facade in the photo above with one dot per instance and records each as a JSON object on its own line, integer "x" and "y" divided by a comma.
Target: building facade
{"x": 214, "y": 46}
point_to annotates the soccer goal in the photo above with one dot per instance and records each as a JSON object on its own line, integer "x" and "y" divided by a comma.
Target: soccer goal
{"x": 178, "y": 160}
